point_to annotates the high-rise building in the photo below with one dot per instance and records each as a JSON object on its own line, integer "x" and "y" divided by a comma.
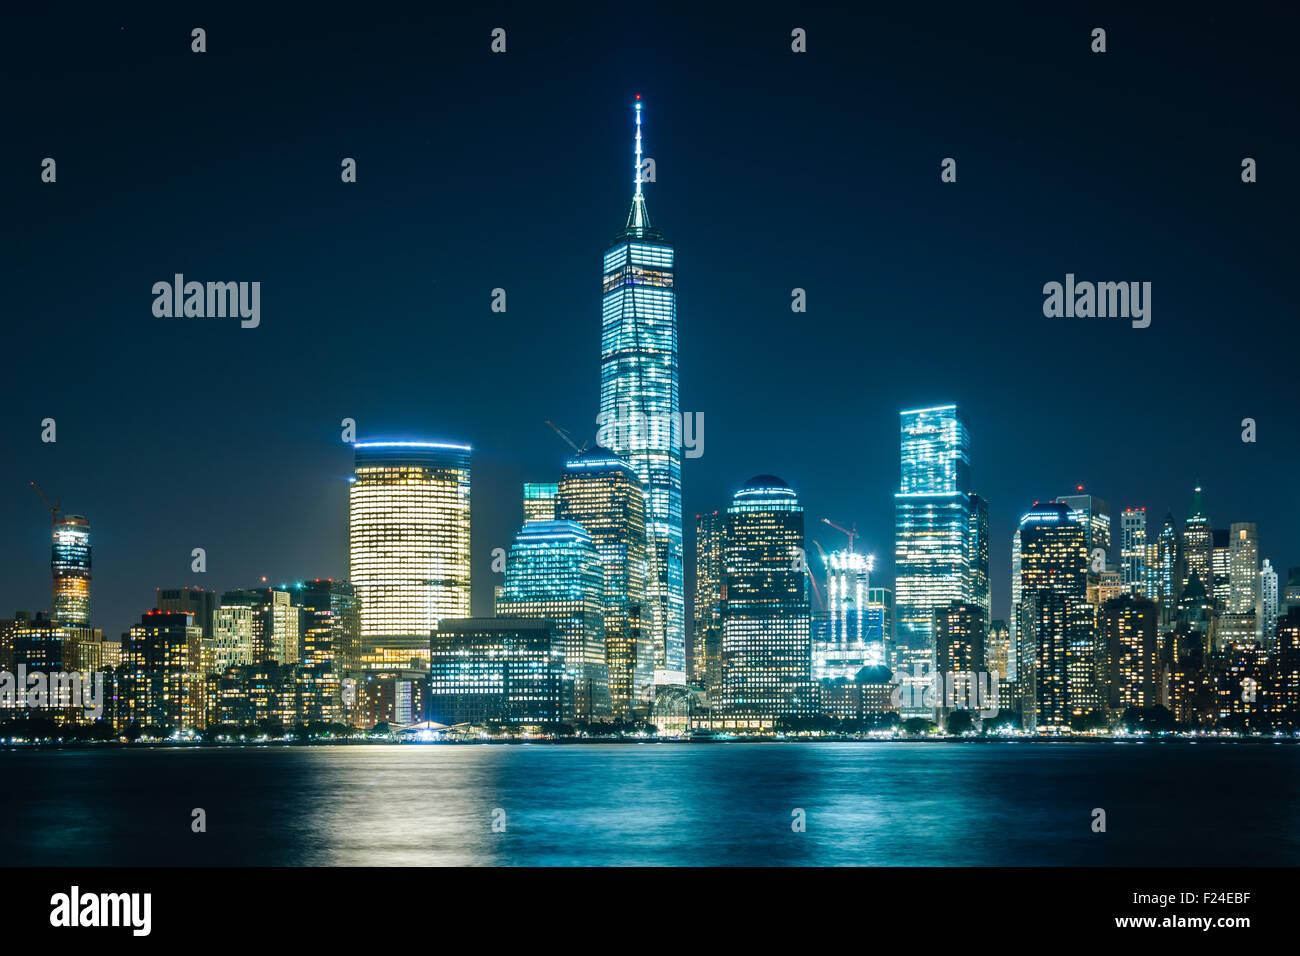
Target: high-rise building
{"x": 164, "y": 680}
{"x": 710, "y": 567}
{"x": 601, "y": 492}
{"x": 1133, "y": 551}
{"x": 1267, "y": 603}
{"x": 1094, "y": 515}
{"x": 1243, "y": 568}
{"x": 503, "y": 670}
{"x": 849, "y": 641}
{"x": 277, "y": 623}
{"x": 1198, "y": 544}
{"x": 540, "y": 500}
{"x": 330, "y": 648}
{"x": 1220, "y": 587}
{"x": 640, "y": 419}
{"x": 766, "y": 642}
{"x": 70, "y": 566}
{"x": 233, "y": 641}
{"x": 979, "y": 556}
{"x": 409, "y": 509}
{"x": 960, "y": 644}
{"x": 932, "y": 521}
{"x": 1127, "y": 626}
{"x": 189, "y": 600}
{"x": 1169, "y": 580}
{"x": 1055, "y": 616}
{"x": 999, "y": 654}
{"x": 554, "y": 572}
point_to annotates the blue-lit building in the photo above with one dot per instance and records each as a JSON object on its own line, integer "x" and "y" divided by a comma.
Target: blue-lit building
{"x": 553, "y": 572}
{"x": 766, "y": 639}
{"x": 851, "y": 636}
{"x": 640, "y": 418}
{"x": 70, "y": 566}
{"x": 932, "y": 534}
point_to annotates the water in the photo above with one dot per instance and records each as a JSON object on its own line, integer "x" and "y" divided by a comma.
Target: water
{"x": 866, "y": 804}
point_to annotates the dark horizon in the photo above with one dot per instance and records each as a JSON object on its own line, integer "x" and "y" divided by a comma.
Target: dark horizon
{"x": 774, "y": 171}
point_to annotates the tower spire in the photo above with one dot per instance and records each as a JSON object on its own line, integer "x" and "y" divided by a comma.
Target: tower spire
{"x": 637, "y": 217}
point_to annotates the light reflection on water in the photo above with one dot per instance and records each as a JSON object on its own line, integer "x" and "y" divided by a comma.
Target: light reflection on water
{"x": 890, "y": 804}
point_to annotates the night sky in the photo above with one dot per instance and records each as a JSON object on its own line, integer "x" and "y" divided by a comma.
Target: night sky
{"x": 774, "y": 171}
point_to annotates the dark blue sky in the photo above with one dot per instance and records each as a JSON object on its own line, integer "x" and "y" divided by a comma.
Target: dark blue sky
{"x": 774, "y": 170}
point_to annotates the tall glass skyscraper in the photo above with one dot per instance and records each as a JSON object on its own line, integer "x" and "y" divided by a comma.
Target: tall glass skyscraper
{"x": 410, "y": 547}
{"x": 554, "y": 572}
{"x": 640, "y": 418}
{"x": 766, "y": 641}
{"x": 710, "y": 566}
{"x": 1133, "y": 552}
{"x": 602, "y": 493}
{"x": 851, "y": 639}
{"x": 932, "y": 531}
{"x": 70, "y": 565}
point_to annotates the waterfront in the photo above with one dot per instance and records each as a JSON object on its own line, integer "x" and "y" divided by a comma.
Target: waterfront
{"x": 1216, "y": 803}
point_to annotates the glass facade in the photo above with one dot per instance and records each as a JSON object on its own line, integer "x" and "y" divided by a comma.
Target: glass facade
{"x": 640, "y": 419}
{"x": 70, "y": 565}
{"x": 710, "y": 553}
{"x": 498, "y": 670}
{"x": 1133, "y": 551}
{"x": 766, "y": 640}
{"x": 1055, "y": 614}
{"x": 410, "y": 543}
{"x": 603, "y": 494}
{"x": 539, "y": 500}
{"x": 554, "y": 572}
{"x": 932, "y": 533}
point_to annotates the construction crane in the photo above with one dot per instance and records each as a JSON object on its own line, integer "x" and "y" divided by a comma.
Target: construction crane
{"x": 852, "y": 533}
{"x": 54, "y": 524}
{"x": 567, "y": 437}
{"x": 812, "y": 578}
{"x": 54, "y": 508}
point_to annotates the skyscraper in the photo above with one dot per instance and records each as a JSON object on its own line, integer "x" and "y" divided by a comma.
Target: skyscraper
{"x": 539, "y": 500}
{"x": 554, "y": 572}
{"x": 196, "y": 601}
{"x": 932, "y": 522}
{"x": 1168, "y": 575}
{"x": 602, "y": 493}
{"x": 163, "y": 682}
{"x": 1198, "y": 545}
{"x": 1243, "y": 568}
{"x": 1127, "y": 626}
{"x": 409, "y": 509}
{"x": 710, "y": 567}
{"x": 70, "y": 566}
{"x": 1056, "y": 619}
{"x": 1094, "y": 515}
{"x": 1268, "y": 604}
{"x": 331, "y": 646}
{"x": 640, "y": 419}
{"x": 979, "y": 557}
{"x": 1133, "y": 551}
{"x": 766, "y": 644}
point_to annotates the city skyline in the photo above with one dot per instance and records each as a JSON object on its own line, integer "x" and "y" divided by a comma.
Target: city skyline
{"x": 257, "y": 512}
